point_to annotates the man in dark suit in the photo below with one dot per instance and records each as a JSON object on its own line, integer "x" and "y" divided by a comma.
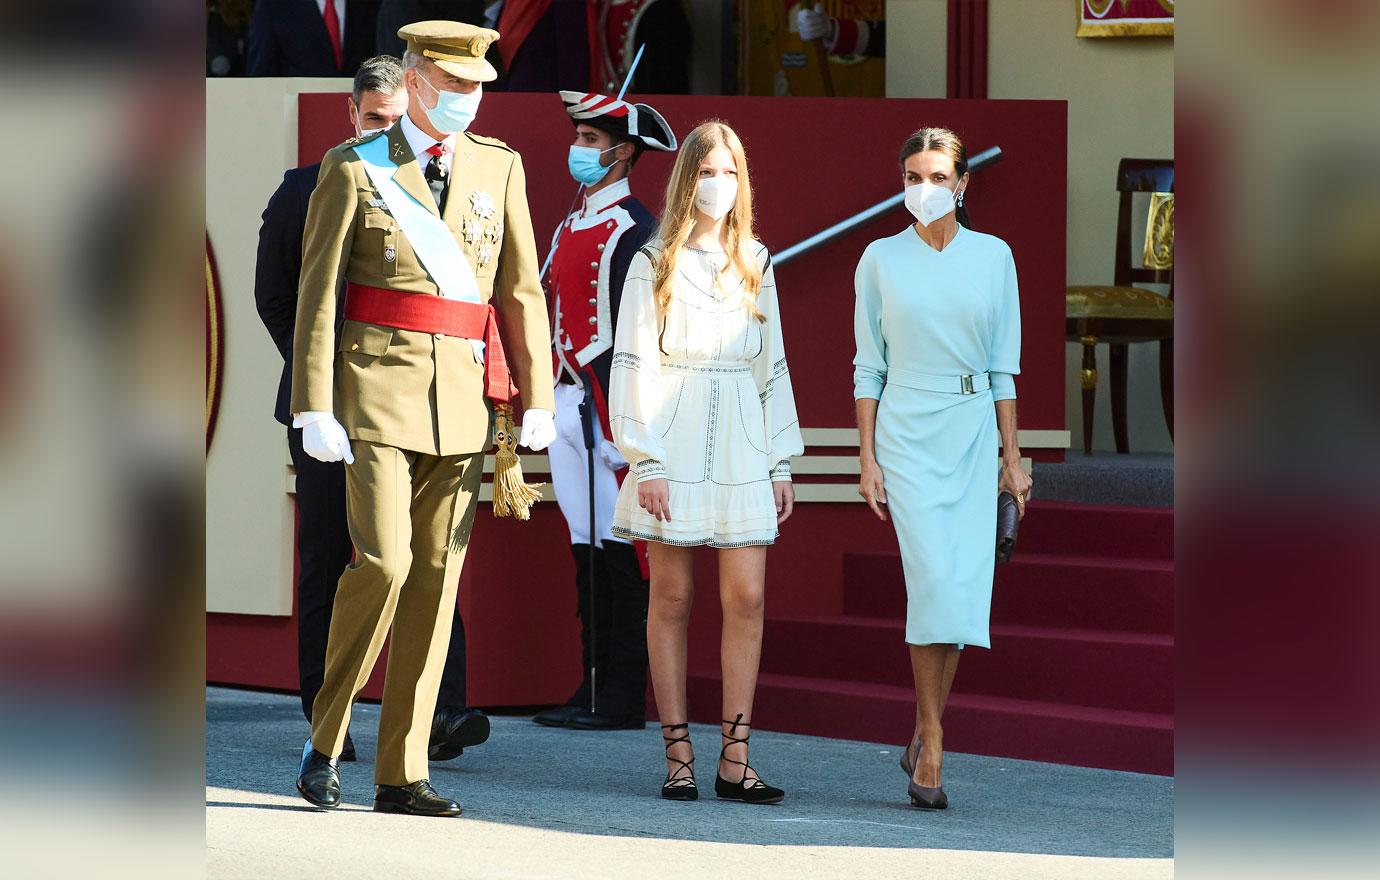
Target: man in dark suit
{"x": 311, "y": 37}
{"x": 393, "y": 14}
{"x": 323, "y": 541}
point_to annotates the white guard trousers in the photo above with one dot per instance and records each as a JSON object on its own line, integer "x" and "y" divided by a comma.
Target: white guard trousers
{"x": 570, "y": 470}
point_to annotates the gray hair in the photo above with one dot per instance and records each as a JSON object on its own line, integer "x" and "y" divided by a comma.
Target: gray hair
{"x": 382, "y": 74}
{"x": 411, "y": 60}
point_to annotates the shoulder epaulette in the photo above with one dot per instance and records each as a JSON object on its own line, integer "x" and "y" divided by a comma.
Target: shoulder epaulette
{"x": 489, "y": 141}
{"x": 356, "y": 141}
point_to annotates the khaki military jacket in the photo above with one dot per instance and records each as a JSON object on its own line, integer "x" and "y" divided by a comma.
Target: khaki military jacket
{"x": 404, "y": 388}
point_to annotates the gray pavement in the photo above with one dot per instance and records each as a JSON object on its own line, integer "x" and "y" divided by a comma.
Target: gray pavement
{"x": 569, "y": 804}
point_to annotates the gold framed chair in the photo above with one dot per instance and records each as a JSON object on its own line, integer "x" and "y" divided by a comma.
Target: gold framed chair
{"x": 1121, "y": 314}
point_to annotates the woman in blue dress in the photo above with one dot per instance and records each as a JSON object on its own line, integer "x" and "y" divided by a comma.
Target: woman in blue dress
{"x": 938, "y": 332}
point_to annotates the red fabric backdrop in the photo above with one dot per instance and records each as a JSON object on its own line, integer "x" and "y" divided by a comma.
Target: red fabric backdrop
{"x": 814, "y": 162}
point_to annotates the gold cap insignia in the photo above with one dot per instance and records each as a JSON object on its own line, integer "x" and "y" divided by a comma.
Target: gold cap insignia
{"x": 455, "y": 47}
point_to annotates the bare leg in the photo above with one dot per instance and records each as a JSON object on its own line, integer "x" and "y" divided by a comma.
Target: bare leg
{"x": 742, "y": 575}
{"x": 927, "y": 665}
{"x": 950, "y": 668}
{"x": 668, "y": 616}
{"x": 951, "y": 658}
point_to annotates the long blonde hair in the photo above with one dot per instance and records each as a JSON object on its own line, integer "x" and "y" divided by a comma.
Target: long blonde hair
{"x": 678, "y": 215}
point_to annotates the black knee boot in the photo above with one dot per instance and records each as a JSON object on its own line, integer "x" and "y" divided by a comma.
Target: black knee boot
{"x": 622, "y": 701}
{"x": 594, "y": 645}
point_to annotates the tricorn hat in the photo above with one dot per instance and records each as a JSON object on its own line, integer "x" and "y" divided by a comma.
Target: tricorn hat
{"x": 638, "y": 123}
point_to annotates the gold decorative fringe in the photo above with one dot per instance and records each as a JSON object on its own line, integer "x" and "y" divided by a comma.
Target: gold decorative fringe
{"x": 512, "y": 496}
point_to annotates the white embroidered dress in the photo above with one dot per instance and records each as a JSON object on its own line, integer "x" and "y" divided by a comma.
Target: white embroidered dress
{"x": 702, "y": 397}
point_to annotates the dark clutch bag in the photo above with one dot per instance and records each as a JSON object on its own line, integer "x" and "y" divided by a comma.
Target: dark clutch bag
{"x": 1008, "y": 522}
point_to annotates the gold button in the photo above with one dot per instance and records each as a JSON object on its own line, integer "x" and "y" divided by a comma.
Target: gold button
{"x": 593, "y": 282}
{"x": 594, "y": 265}
{"x": 600, "y": 245}
{"x": 593, "y": 301}
{"x": 593, "y": 320}
{"x": 354, "y": 347}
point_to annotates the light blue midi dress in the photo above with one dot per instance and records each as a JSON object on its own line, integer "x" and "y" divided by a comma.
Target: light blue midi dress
{"x": 924, "y": 320}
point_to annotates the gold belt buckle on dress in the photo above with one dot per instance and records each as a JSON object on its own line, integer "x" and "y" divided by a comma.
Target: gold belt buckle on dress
{"x": 967, "y": 384}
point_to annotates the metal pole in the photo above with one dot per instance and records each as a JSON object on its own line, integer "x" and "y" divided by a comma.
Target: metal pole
{"x": 627, "y": 80}
{"x": 587, "y": 425}
{"x": 862, "y": 218}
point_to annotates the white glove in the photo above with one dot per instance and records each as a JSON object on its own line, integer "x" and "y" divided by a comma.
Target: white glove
{"x": 813, "y": 23}
{"x": 323, "y": 438}
{"x": 612, "y": 457}
{"x": 538, "y": 429}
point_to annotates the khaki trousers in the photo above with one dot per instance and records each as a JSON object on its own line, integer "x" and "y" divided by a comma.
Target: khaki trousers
{"x": 410, "y": 516}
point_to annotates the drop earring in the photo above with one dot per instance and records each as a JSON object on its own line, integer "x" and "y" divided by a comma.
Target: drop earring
{"x": 960, "y": 200}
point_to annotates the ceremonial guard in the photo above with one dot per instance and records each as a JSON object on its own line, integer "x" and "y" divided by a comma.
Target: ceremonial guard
{"x": 430, "y": 228}
{"x": 620, "y": 26}
{"x": 592, "y": 250}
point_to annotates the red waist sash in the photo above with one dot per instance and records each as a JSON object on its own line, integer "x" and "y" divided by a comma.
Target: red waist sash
{"x": 425, "y": 313}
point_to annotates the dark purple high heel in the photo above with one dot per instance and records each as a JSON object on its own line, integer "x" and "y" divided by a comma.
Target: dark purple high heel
{"x": 907, "y": 762}
{"x": 921, "y": 796}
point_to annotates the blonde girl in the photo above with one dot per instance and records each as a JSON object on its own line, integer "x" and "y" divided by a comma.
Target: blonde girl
{"x": 701, "y": 405}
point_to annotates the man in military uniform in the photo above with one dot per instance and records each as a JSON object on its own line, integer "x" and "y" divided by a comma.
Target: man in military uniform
{"x": 594, "y": 246}
{"x": 430, "y": 228}
{"x": 377, "y": 101}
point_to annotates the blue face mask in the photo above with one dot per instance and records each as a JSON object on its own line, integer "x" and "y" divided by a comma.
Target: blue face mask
{"x": 584, "y": 164}
{"x": 453, "y": 111}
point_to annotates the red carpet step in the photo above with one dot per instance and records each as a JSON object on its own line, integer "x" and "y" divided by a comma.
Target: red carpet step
{"x": 1115, "y": 670}
{"x": 1037, "y": 589}
{"x": 1081, "y": 669}
{"x": 984, "y": 725}
{"x": 1098, "y": 530}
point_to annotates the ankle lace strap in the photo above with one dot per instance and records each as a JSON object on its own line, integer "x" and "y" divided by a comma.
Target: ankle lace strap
{"x": 739, "y": 740}
{"x": 734, "y": 725}
{"x": 674, "y": 779}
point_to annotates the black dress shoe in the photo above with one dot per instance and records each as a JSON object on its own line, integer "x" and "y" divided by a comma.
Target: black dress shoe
{"x": 600, "y": 721}
{"x": 558, "y": 716}
{"x": 347, "y": 751}
{"x": 453, "y": 730}
{"x": 414, "y": 799}
{"x": 318, "y": 779}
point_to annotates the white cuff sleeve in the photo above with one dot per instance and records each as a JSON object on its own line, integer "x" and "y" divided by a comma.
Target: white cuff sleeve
{"x": 301, "y": 420}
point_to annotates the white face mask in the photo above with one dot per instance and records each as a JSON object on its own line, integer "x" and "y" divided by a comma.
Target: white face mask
{"x": 454, "y": 111}
{"x": 715, "y": 195}
{"x": 365, "y": 132}
{"x": 929, "y": 201}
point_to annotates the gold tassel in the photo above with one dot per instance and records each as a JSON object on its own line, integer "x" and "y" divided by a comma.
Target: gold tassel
{"x": 512, "y": 496}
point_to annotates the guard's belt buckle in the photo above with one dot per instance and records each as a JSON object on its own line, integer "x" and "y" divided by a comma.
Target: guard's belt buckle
{"x": 967, "y": 384}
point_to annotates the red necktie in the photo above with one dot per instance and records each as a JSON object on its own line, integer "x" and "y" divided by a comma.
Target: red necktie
{"x": 333, "y": 31}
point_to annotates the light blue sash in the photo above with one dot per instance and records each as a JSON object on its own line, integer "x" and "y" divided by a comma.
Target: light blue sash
{"x": 431, "y": 239}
